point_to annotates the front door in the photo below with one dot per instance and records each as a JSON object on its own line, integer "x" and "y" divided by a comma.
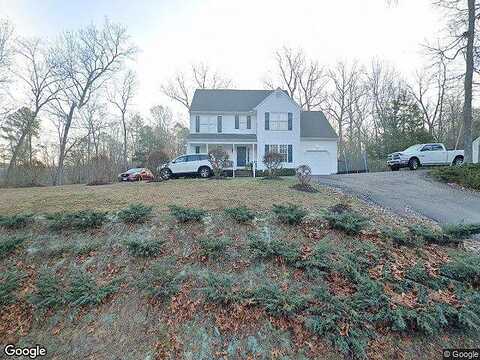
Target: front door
{"x": 241, "y": 156}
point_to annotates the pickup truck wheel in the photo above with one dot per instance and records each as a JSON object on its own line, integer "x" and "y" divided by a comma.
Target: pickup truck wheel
{"x": 458, "y": 161}
{"x": 166, "y": 174}
{"x": 204, "y": 172}
{"x": 413, "y": 164}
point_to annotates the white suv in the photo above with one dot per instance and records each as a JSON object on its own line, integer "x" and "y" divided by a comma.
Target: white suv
{"x": 187, "y": 165}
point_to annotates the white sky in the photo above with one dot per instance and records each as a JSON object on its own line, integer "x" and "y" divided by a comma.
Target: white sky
{"x": 238, "y": 38}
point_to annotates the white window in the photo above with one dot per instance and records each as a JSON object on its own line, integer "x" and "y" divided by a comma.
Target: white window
{"x": 243, "y": 122}
{"x": 204, "y": 124}
{"x": 278, "y": 121}
{"x": 281, "y": 149}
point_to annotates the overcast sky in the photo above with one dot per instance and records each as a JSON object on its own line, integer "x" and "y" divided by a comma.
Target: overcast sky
{"x": 239, "y": 37}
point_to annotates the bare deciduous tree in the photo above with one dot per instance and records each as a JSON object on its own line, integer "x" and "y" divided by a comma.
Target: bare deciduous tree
{"x": 86, "y": 59}
{"x": 6, "y": 37}
{"x": 465, "y": 43}
{"x": 42, "y": 85}
{"x": 305, "y": 80}
{"x": 181, "y": 87}
{"x": 121, "y": 98}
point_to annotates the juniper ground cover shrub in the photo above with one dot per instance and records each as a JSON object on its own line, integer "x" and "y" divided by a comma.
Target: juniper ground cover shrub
{"x": 135, "y": 214}
{"x": 183, "y": 214}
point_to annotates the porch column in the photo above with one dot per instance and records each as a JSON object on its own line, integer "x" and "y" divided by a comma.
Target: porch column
{"x": 254, "y": 160}
{"x": 234, "y": 159}
{"x": 207, "y": 147}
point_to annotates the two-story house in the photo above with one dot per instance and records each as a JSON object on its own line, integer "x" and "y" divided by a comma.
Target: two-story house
{"x": 249, "y": 123}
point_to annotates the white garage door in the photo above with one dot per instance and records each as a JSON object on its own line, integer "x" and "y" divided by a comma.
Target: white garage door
{"x": 319, "y": 161}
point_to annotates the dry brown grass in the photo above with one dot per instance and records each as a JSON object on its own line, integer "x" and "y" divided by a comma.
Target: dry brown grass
{"x": 207, "y": 194}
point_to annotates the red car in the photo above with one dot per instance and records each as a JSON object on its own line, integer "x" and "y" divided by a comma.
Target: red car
{"x": 136, "y": 174}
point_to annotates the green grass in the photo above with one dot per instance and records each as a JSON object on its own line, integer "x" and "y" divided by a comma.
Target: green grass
{"x": 467, "y": 175}
{"x": 9, "y": 282}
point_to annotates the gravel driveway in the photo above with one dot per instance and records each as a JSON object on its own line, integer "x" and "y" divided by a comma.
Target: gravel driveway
{"x": 407, "y": 192}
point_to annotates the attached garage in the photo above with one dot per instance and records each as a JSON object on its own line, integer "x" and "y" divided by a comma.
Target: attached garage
{"x": 318, "y": 143}
{"x": 318, "y": 160}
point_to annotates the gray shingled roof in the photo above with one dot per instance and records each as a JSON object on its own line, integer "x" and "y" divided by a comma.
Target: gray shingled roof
{"x": 314, "y": 124}
{"x": 222, "y": 137}
{"x": 227, "y": 99}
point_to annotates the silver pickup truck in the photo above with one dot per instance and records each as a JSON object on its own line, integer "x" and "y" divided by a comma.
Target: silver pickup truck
{"x": 424, "y": 155}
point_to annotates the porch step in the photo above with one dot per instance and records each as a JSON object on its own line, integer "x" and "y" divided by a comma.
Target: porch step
{"x": 243, "y": 173}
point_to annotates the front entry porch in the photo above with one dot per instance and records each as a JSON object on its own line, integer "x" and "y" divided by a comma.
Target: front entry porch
{"x": 242, "y": 155}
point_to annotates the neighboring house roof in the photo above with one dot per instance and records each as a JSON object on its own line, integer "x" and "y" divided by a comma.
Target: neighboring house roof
{"x": 222, "y": 137}
{"x": 227, "y": 99}
{"x": 314, "y": 124}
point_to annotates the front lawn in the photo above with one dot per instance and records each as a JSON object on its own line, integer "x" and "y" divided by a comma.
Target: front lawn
{"x": 207, "y": 194}
{"x": 231, "y": 269}
{"x": 465, "y": 175}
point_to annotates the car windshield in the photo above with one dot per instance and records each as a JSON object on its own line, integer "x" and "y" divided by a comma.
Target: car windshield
{"x": 131, "y": 171}
{"x": 413, "y": 148}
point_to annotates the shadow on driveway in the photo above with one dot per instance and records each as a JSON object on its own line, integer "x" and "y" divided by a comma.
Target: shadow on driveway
{"x": 407, "y": 192}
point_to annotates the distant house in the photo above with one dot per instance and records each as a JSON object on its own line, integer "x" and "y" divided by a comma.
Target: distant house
{"x": 476, "y": 151}
{"x": 249, "y": 123}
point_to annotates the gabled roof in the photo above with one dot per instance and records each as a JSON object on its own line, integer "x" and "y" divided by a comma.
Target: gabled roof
{"x": 314, "y": 124}
{"x": 227, "y": 99}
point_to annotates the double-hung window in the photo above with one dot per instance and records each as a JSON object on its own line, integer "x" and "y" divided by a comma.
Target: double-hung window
{"x": 281, "y": 149}
{"x": 278, "y": 121}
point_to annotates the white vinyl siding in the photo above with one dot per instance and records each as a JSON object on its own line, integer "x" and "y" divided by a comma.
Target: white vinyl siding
{"x": 278, "y": 121}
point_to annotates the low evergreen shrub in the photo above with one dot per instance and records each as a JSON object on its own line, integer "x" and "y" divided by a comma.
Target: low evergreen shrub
{"x": 464, "y": 267}
{"x": 16, "y": 222}
{"x": 461, "y": 231}
{"x": 143, "y": 246}
{"x": 83, "y": 289}
{"x": 348, "y": 221}
{"x": 401, "y": 238}
{"x": 135, "y": 214}
{"x": 275, "y": 300}
{"x": 219, "y": 289}
{"x": 289, "y": 214}
{"x": 161, "y": 281}
{"x": 49, "y": 293}
{"x": 9, "y": 283}
{"x": 79, "y": 220}
{"x": 240, "y": 214}
{"x": 183, "y": 214}
{"x": 8, "y": 244}
{"x": 267, "y": 248}
{"x": 211, "y": 247}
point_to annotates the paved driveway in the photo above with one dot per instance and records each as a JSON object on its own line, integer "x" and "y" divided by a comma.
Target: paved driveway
{"x": 407, "y": 192}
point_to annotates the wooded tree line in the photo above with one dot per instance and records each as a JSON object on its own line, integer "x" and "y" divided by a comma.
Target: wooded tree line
{"x": 66, "y": 111}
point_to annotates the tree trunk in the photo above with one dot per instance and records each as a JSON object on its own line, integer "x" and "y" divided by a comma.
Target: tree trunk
{"x": 467, "y": 106}
{"x": 63, "y": 145}
{"x": 13, "y": 160}
{"x": 125, "y": 159}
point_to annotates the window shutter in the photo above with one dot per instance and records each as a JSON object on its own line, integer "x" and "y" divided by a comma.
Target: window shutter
{"x": 219, "y": 124}
{"x": 249, "y": 122}
{"x": 197, "y": 123}
{"x": 266, "y": 149}
{"x": 237, "y": 122}
{"x": 267, "y": 121}
{"x": 290, "y": 121}
{"x": 290, "y": 153}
